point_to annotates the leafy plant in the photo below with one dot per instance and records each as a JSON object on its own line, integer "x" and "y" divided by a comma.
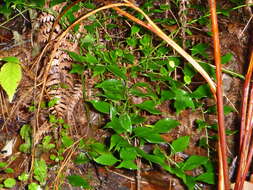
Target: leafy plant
{"x": 9, "y": 182}
{"x": 10, "y": 75}
{"x": 25, "y": 134}
{"x": 40, "y": 171}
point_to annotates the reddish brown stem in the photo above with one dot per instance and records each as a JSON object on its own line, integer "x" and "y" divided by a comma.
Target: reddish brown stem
{"x": 245, "y": 153}
{"x": 221, "y": 128}
{"x": 245, "y": 101}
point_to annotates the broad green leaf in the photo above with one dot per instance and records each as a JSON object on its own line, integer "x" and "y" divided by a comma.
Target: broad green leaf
{"x": 90, "y": 58}
{"x": 113, "y": 89}
{"x": 165, "y": 125}
{"x": 11, "y": 59}
{"x": 88, "y": 39}
{"x": 78, "y": 181}
{"x": 200, "y": 49}
{"x": 128, "y": 164}
{"x": 3, "y": 164}
{"x": 10, "y": 76}
{"x": 115, "y": 125}
{"x": 189, "y": 73}
{"x": 180, "y": 144}
{"x": 77, "y": 68}
{"x": 226, "y": 58}
{"x": 125, "y": 122}
{"x": 76, "y": 57}
{"x": 34, "y": 186}
{"x": 9, "y": 170}
{"x": 131, "y": 41}
{"x": 201, "y": 92}
{"x": 117, "y": 71}
{"x": 145, "y": 40}
{"x": 118, "y": 142}
{"x": 194, "y": 162}
{"x": 152, "y": 158}
{"x": 134, "y": 29}
{"x": 136, "y": 119}
{"x": 9, "y": 182}
{"x": 23, "y": 177}
{"x": 128, "y": 153}
{"x": 106, "y": 159}
{"x": 148, "y": 134}
{"x": 40, "y": 170}
{"x": 149, "y": 106}
{"x": 25, "y": 131}
{"x": 167, "y": 95}
{"x": 98, "y": 70}
{"x": 67, "y": 141}
{"x": 101, "y": 106}
{"x": 206, "y": 178}
{"x": 99, "y": 148}
{"x": 81, "y": 159}
{"x": 182, "y": 100}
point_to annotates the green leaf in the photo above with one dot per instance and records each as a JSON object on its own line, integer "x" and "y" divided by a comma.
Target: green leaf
{"x": 165, "y": 125}
{"x": 23, "y": 177}
{"x": 25, "y": 147}
{"x": 206, "y": 178}
{"x": 78, "y": 181}
{"x": 88, "y": 39}
{"x": 90, "y": 58}
{"x": 137, "y": 119}
{"x": 76, "y": 57}
{"x": 189, "y": 73}
{"x": 11, "y": 59}
{"x": 115, "y": 125}
{"x": 128, "y": 164}
{"x": 8, "y": 170}
{"x": 118, "y": 142}
{"x": 200, "y": 49}
{"x": 194, "y": 161}
{"x": 77, "y": 68}
{"x": 106, "y": 159}
{"x": 98, "y": 70}
{"x": 40, "y": 170}
{"x": 201, "y": 92}
{"x": 180, "y": 144}
{"x": 145, "y": 40}
{"x": 128, "y": 153}
{"x": 149, "y": 106}
{"x": 125, "y": 122}
{"x": 148, "y": 134}
{"x": 34, "y": 186}
{"x": 3, "y": 164}
{"x": 115, "y": 69}
{"x": 113, "y": 89}
{"x": 81, "y": 159}
{"x": 134, "y": 29}
{"x": 226, "y": 58}
{"x": 25, "y": 131}
{"x": 101, "y": 106}
{"x": 67, "y": 141}
{"x": 10, "y": 76}
{"x": 9, "y": 182}
{"x": 167, "y": 95}
{"x": 182, "y": 100}
{"x": 152, "y": 158}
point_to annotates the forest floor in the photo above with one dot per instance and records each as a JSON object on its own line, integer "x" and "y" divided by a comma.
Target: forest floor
{"x": 111, "y": 106}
